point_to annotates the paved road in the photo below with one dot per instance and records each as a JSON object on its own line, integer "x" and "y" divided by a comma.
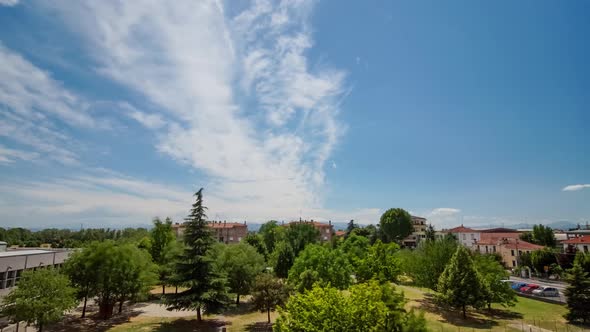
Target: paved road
{"x": 557, "y": 284}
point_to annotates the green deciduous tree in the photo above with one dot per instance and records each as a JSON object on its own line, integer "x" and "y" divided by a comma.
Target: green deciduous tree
{"x": 426, "y": 263}
{"x": 492, "y": 273}
{"x": 77, "y": 268}
{"x": 241, "y": 263}
{"x": 430, "y": 233}
{"x": 365, "y": 307}
{"x": 271, "y": 234}
{"x": 541, "y": 235}
{"x": 355, "y": 248}
{"x": 283, "y": 258}
{"x": 578, "y": 295}
{"x": 163, "y": 249}
{"x": 41, "y": 298}
{"x": 113, "y": 272}
{"x": 320, "y": 264}
{"x": 206, "y": 286}
{"x": 268, "y": 293}
{"x": 256, "y": 241}
{"x": 395, "y": 225}
{"x": 460, "y": 285}
{"x": 300, "y": 234}
{"x": 380, "y": 263}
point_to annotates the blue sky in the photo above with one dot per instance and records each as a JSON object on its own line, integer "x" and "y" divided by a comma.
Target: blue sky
{"x": 462, "y": 112}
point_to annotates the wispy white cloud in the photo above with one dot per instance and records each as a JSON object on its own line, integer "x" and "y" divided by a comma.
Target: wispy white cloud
{"x": 8, "y": 156}
{"x": 32, "y": 104}
{"x": 238, "y": 96}
{"x": 576, "y": 187}
{"x": 9, "y": 3}
{"x": 443, "y": 217}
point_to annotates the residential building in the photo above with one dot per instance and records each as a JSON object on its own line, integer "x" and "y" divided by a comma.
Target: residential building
{"x": 580, "y": 243}
{"x": 418, "y": 234}
{"x": 326, "y": 230}
{"x": 226, "y": 232}
{"x": 14, "y": 262}
{"x": 466, "y": 236}
{"x": 510, "y": 249}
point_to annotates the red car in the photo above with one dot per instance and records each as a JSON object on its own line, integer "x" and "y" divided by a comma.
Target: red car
{"x": 528, "y": 289}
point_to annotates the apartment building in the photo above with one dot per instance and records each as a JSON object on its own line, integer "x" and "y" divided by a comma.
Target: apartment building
{"x": 225, "y": 232}
{"x": 418, "y": 234}
{"x": 326, "y": 230}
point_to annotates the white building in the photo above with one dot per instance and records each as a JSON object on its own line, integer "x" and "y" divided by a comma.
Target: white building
{"x": 580, "y": 243}
{"x": 14, "y": 262}
{"x": 466, "y": 236}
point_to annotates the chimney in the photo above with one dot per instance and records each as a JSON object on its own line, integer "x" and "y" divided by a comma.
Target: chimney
{"x": 330, "y": 222}
{"x": 244, "y": 222}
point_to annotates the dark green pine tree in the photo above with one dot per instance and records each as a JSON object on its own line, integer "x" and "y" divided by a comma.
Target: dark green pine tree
{"x": 206, "y": 287}
{"x": 578, "y": 295}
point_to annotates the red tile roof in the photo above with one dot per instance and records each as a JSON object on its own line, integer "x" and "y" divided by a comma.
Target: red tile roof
{"x": 522, "y": 245}
{"x": 340, "y": 233}
{"x": 499, "y": 230}
{"x": 578, "y": 240}
{"x": 461, "y": 229}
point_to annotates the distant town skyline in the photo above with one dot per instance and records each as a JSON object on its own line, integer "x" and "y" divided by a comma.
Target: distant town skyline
{"x": 460, "y": 112}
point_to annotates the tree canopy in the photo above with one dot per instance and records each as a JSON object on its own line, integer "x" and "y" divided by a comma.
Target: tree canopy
{"x": 268, "y": 293}
{"x": 460, "y": 285}
{"x": 426, "y": 263}
{"x": 241, "y": 263}
{"x": 365, "y": 307}
{"x": 320, "y": 264}
{"x": 41, "y": 298}
{"x": 395, "y": 225}
{"x": 578, "y": 295}
{"x": 492, "y": 273}
{"x": 380, "y": 263}
{"x": 206, "y": 286}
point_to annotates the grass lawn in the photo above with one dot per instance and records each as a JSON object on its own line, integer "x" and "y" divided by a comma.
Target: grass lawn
{"x": 525, "y": 312}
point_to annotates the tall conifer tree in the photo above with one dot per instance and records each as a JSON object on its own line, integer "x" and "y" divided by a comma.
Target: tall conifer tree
{"x": 206, "y": 287}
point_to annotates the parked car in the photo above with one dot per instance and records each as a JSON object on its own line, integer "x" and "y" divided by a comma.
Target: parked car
{"x": 517, "y": 286}
{"x": 528, "y": 289}
{"x": 546, "y": 291}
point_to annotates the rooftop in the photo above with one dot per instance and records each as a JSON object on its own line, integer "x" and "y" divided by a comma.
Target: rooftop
{"x": 314, "y": 223}
{"x": 220, "y": 224}
{"x": 520, "y": 244}
{"x": 461, "y": 229}
{"x": 12, "y": 253}
{"x": 578, "y": 240}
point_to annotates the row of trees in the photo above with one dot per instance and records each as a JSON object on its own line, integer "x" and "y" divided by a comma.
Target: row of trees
{"x": 65, "y": 238}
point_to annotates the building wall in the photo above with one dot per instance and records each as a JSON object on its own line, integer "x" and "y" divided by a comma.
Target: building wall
{"x": 233, "y": 234}
{"x": 468, "y": 239}
{"x": 580, "y": 247}
{"x": 12, "y": 267}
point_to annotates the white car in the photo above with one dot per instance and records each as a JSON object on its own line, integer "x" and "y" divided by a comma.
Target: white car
{"x": 546, "y": 291}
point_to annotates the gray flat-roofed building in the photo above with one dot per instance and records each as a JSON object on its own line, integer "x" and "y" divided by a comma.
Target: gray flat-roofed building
{"x": 14, "y": 262}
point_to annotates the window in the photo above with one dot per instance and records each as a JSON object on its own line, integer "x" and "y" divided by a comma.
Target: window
{"x": 487, "y": 249}
{"x": 494, "y": 248}
{"x": 512, "y": 252}
{"x": 585, "y": 248}
{"x": 464, "y": 237}
{"x": 519, "y": 252}
{"x": 513, "y": 263}
{"x": 472, "y": 236}
{"x": 325, "y": 237}
{"x": 327, "y": 230}
{"x": 231, "y": 238}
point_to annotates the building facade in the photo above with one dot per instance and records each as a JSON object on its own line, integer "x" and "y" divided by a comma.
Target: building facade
{"x": 14, "y": 262}
{"x": 326, "y": 230}
{"x": 466, "y": 236}
{"x": 418, "y": 234}
{"x": 509, "y": 248}
{"x": 225, "y": 232}
{"x": 577, "y": 244}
